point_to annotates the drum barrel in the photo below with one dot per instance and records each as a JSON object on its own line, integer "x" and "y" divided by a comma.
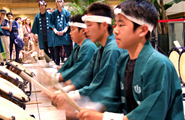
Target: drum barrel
{"x": 13, "y": 99}
{"x": 182, "y": 65}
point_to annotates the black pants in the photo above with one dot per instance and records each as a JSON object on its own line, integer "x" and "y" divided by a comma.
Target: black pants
{"x": 17, "y": 50}
{"x": 49, "y": 51}
{"x": 60, "y": 53}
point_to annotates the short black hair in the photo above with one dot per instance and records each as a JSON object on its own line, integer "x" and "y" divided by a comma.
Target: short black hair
{"x": 9, "y": 13}
{"x": 3, "y": 11}
{"x": 140, "y": 9}
{"x": 102, "y": 9}
{"x": 42, "y": 2}
{"x": 17, "y": 18}
{"x": 77, "y": 18}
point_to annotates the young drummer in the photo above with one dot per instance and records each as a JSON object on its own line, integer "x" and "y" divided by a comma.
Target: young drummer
{"x": 96, "y": 77}
{"x": 145, "y": 81}
{"x": 81, "y": 54}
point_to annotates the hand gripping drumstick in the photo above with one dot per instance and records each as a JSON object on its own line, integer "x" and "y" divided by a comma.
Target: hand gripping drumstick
{"x": 71, "y": 101}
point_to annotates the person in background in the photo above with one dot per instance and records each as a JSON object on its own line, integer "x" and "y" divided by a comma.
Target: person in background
{"x": 41, "y": 28}
{"x": 19, "y": 20}
{"x": 1, "y": 48}
{"x": 146, "y": 82}
{"x": 27, "y": 27}
{"x": 81, "y": 54}
{"x": 6, "y": 26}
{"x": 29, "y": 55}
{"x": 13, "y": 35}
{"x": 59, "y": 24}
{"x": 52, "y": 9}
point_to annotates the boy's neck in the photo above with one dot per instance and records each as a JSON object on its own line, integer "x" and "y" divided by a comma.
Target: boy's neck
{"x": 42, "y": 12}
{"x": 135, "y": 50}
{"x": 82, "y": 40}
{"x": 104, "y": 38}
{"x": 60, "y": 9}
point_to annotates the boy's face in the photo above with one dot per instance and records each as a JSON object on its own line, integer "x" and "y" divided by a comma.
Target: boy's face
{"x": 125, "y": 35}
{"x": 42, "y": 7}
{"x": 59, "y": 4}
{"x": 2, "y": 15}
{"x": 94, "y": 31}
{"x": 26, "y": 39}
{"x": 10, "y": 17}
{"x": 76, "y": 35}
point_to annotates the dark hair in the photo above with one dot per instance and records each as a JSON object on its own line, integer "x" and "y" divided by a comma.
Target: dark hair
{"x": 42, "y": 2}
{"x": 140, "y": 9}
{"x": 9, "y": 13}
{"x": 77, "y": 18}
{"x": 102, "y": 9}
{"x": 17, "y": 18}
{"x": 26, "y": 35}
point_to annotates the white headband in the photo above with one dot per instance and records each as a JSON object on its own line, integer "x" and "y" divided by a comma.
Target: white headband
{"x": 138, "y": 21}
{"x": 59, "y": 0}
{"x": 96, "y": 18}
{"x": 77, "y": 24}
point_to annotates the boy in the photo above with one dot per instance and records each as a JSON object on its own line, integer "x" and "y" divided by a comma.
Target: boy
{"x": 41, "y": 28}
{"x": 59, "y": 24}
{"x": 96, "y": 77}
{"x": 81, "y": 54}
{"x": 145, "y": 81}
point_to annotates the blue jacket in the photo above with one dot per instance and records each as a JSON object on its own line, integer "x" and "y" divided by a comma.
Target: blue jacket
{"x": 156, "y": 87}
{"x": 95, "y": 79}
{"x": 60, "y": 22}
{"x": 37, "y": 29}
{"x": 75, "y": 63}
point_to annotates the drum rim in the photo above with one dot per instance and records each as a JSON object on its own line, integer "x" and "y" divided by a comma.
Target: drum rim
{"x": 15, "y": 109}
{"x": 24, "y": 96}
{"x": 174, "y": 49}
{"x": 183, "y": 52}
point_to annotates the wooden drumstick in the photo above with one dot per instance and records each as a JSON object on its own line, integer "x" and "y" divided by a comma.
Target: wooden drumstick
{"x": 29, "y": 79}
{"x": 71, "y": 101}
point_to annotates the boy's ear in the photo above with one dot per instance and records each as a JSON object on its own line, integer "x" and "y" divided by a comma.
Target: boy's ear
{"x": 82, "y": 30}
{"x": 143, "y": 30}
{"x": 105, "y": 25}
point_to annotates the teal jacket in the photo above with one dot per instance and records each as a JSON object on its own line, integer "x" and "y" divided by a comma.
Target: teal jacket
{"x": 156, "y": 87}
{"x": 76, "y": 62}
{"x": 60, "y": 22}
{"x": 1, "y": 44}
{"x": 94, "y": 80}
{"x": 37, "y": 29}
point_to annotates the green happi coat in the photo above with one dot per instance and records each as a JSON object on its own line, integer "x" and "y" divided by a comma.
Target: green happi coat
{"x": 1, "y": 44}
{"x": 156, "y": 87}
{"x": 96, "y": 77}
{"x": 37, "y": 29}
{"x": 76, "y": 62}
{"x": 60, "y": 22}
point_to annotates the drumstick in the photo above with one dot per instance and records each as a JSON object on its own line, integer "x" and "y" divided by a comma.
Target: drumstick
{"x": 26, "y": 77}
{"x": 70, "y": 100}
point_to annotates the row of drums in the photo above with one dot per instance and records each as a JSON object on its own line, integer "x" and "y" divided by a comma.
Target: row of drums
{"x": 14, "y": 92}
{"x": 177, "y": 57}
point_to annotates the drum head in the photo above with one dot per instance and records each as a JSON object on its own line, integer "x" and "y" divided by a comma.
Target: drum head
{"x": 182, "y": 67}
{"x": 174, "y": 57}
{"x": 9, "y": 110}
{"x": 22, "y": 68}
{"x": 8, "y": 87}
{"x": 11, "y": 74}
